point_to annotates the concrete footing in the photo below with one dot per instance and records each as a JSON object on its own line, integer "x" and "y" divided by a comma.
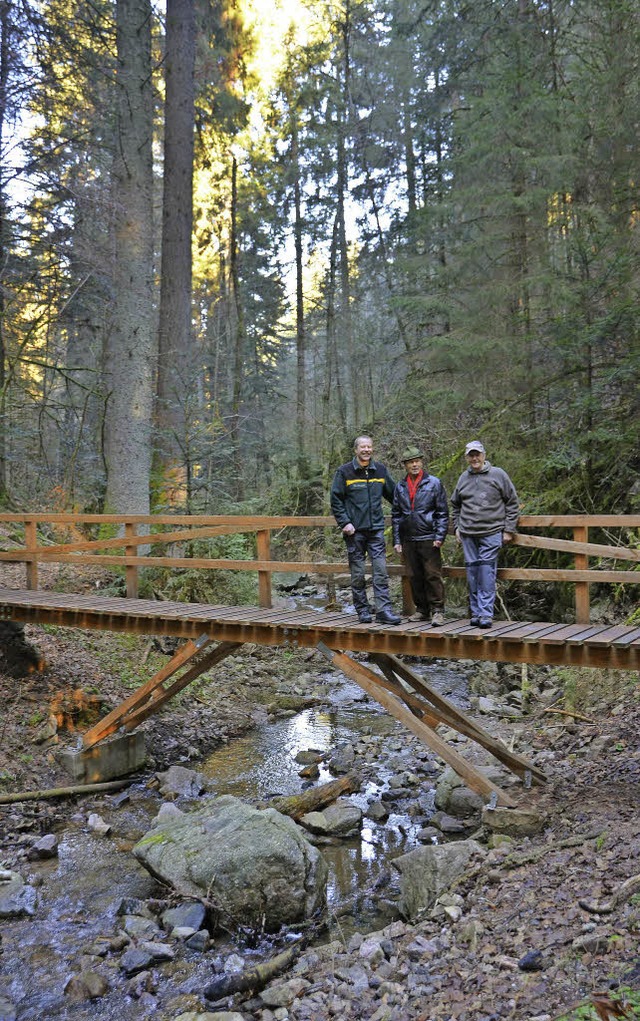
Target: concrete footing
{"x": 115, "y": 757}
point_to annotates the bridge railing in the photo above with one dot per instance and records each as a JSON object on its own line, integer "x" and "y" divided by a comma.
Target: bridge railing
{"x": 137, "y": 533}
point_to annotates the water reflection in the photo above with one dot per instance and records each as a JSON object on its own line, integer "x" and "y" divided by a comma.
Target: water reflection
{"x": 262, "y": 764}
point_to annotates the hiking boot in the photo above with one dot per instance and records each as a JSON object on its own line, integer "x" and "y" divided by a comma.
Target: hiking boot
{"x": 365, "y": 617}
{"x": 474, "y": 621}
{"x": 485, "y": 622}
{"x": 419, "y": 615}
{"x": 387, "y": 617}
{"x": 438, "y": 619}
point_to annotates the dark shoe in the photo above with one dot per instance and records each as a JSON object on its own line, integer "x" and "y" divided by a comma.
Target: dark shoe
{"x": 438, "y": 618}
{"x": 387, "y": 617}
{"x": 474, "y": 621}
{"x": 485, "y": 622}
{"x": 365, "y": 617}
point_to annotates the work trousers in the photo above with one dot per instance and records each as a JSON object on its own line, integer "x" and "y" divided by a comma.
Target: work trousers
{"x": 424, "y": 563}
{"x": 481, "y": 562}
{"x": 369, "y": 541}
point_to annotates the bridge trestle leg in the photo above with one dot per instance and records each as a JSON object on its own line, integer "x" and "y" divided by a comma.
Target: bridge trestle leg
{"x": 453, "y": 717}
{"x": 418, "y": 717}
{"x": 153, "y": 694}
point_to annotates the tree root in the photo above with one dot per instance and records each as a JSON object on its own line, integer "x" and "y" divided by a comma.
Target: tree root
{"x": 518, "y": 858}
{"x": 622, "y": 894}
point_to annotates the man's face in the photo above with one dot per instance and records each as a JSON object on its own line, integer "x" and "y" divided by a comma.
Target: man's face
{"x": 413, "y": 467}
{"x": 364, "y": 450}
{"x": 475, "y": 460}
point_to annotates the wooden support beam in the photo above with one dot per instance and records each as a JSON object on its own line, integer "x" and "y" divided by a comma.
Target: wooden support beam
{"x": 264, "y": 577}
{"x": 31, "y": 544}
{"x": 459, "y": 721}
{"x": 370, "y": 683}
{"x": 131, "y": 572}
{"x": 430, "y": 716}
{"x": 582, "y": 595}
{"x": 149, "y": 692}
{"x": 162, "y": 694}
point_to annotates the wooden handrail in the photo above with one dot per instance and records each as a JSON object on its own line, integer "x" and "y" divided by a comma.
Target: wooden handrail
{"x": 81, "y": 553}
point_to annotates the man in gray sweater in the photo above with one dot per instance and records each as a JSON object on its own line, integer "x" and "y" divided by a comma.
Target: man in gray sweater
{"x": 485, "y": 515}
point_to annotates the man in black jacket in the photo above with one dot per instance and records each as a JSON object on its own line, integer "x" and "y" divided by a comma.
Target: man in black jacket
{"x": 356, "y": 502}
{"x": 420, "y": 518}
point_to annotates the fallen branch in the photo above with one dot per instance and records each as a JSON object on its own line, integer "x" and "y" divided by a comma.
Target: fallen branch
{"x": 623, "y": 893}
{"x": 568, "y": 712}
{"x": 297, "y": 805}
{"x": 63, "y": 792}
{"x": 254, "y": 979}
{"x": 528, "y": 857}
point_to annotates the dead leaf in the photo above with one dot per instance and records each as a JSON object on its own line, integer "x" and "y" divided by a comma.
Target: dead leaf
{"x": 606, "y": 1008}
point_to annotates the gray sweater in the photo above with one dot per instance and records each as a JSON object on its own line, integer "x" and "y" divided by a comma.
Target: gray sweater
{"x": 485, "y": 502}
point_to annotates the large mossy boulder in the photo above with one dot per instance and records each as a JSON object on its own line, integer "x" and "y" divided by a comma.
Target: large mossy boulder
{"x": 256, "y": 867}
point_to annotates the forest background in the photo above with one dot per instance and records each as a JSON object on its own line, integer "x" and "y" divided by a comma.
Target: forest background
{"x": 236, "y": 234}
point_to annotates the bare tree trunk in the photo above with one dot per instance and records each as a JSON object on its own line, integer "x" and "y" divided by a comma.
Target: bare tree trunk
{"x": 301, "y": 381}
{"x": 238, "y": 356}
{"x": 175, "y": 354}
{"x": 131, "y": 350}
{"x": 332, "y": 374}
{"x": 342, "y": 174}
{"x": 4, "y": 71}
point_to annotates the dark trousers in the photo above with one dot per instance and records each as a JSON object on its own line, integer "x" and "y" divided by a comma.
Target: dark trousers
{"x": 424, "y": 563}
{"x": 369, "y": 541}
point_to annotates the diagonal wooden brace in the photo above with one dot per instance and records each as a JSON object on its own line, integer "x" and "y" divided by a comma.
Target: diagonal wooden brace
{"x": 162, "y": 695}
{"x": 456, "y": 719}
{"x": 371, "y": 683}
{"x": 152, "y": 694}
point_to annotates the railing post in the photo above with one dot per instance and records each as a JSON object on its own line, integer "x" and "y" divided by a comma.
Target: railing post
{"x": 264, "y": 577}
{"x": 31, "y": 542}
{"x": 581, "y": 563}
{"x": 131, "y": 571}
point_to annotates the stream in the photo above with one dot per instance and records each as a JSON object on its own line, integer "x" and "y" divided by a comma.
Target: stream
{"x": 79, "y": 892}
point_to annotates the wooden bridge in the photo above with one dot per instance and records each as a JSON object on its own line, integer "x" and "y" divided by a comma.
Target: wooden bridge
{"x": 214, "y": 631}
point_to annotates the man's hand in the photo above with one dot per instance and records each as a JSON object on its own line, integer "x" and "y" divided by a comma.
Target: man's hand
{"x": 349, "y": 529}
{"x": 458, "y": 539}
{"x": 507, "y": 537}
{"x": 437, "y": 543}
{"x": 398, "y": 548}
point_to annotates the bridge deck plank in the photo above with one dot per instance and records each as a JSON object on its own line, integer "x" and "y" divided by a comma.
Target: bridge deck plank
{"x": 631, "y": 638}
{"x": 517, "y": 641}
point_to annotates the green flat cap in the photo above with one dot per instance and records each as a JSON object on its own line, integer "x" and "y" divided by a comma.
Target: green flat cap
{"x": 410, "y": 453}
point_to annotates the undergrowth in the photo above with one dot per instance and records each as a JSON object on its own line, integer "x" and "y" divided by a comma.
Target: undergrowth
{"x": 624, "y": 1003}
{"x": 584, "y": 687}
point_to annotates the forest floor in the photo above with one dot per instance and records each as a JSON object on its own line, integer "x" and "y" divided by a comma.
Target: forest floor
{"x": 565, "y": 903}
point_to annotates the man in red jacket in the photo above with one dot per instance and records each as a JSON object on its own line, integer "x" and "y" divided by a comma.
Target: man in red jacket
{"x": 420, "y": 519}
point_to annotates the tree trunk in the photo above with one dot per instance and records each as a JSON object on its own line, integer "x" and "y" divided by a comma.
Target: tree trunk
{"x": 4, "y": 71}
{"x": 301, "y": 382}
{"x": 131, "y": 350}
{"x": 238, "y": 355}
{"x": 175, "y": 355}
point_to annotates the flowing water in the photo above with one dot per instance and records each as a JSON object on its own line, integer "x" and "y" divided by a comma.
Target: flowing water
{"x": 80, "y": 891}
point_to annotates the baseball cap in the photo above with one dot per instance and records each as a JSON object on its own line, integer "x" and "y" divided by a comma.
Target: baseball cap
{"x": 474, "y": 445}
